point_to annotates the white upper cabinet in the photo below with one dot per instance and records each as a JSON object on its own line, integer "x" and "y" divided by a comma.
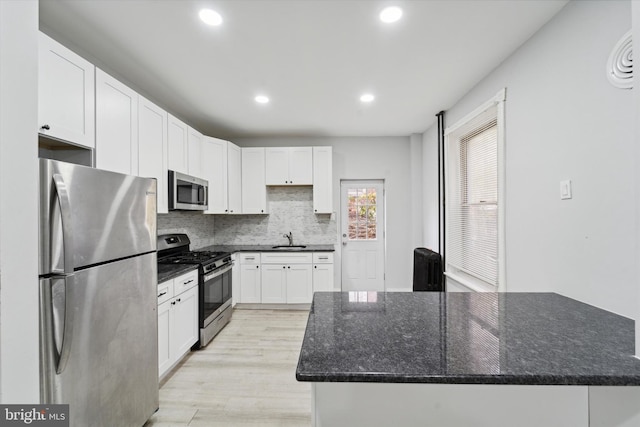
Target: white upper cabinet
{"x": 116, "y": 125}
{"x": 277, "y": 166}
{"x": 214, "y": 155}
{"x": 152, "y": 148}
{"x": 289, "y": 166}
{"x": 322, "y": 180}
{"x": 66, "y": 97}
{"x": 194, "y": 151}
{"x": 178, "y": 146}
{"x": 301, "y": 166}
{"x": 254, "y": 190}
{"x": 234, "y": 178}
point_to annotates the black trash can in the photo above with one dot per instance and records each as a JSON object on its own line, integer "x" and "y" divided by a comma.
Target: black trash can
{"x": 427, "y": 271}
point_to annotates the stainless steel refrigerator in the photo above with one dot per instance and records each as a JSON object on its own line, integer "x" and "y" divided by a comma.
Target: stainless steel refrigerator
{"x": 98, "y": 304}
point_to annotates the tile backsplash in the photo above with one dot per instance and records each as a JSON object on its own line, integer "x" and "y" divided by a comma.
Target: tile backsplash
{"x": 290, "y": 210}
{"x": 196, "y": 225}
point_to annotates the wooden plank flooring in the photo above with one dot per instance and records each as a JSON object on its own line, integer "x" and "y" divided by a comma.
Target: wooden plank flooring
{"x": 244, "y": 377}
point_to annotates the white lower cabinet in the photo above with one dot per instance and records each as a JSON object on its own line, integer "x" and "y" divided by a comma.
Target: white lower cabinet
{"x": 177, "y": 319}
{"x": 286, "y": 278}
{"x": 299, "y": 284}
{"x": 250, "y": 278}
{"x": 282, "y": 277}
{"x": 274, "y": 283}
{"x": 322, "y": 271}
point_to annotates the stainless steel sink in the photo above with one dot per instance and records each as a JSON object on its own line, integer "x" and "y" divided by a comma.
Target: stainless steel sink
{"x": 291, "y": 248}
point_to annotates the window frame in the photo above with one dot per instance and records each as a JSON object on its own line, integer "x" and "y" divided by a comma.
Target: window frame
{"x": 453, "y": 135}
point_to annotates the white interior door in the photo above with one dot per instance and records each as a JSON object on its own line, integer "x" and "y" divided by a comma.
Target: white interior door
{"x": 362, "y": 235}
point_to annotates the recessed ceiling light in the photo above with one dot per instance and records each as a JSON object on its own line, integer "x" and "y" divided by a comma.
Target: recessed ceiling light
{"x": 367, "y": 97}
{"x": 390, "y": 14}
{"x": 261, "y": 99}
{"x": 210, "y": 17}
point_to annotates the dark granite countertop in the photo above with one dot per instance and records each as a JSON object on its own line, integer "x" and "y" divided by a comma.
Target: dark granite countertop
{"x": 170, "y": 271}
{"x": 465, "y": 338}
{"x": 266, "y": 248}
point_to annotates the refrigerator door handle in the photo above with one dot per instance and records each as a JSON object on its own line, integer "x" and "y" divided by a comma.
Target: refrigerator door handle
{"x": 62, "y": 319}
{"x": 65, "y": 216}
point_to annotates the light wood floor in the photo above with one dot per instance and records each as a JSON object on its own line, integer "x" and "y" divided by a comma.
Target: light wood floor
{"x": 244, "y": 377}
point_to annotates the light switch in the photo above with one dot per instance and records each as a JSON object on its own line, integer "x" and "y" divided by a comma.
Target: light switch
{"x": 565, "y": 189}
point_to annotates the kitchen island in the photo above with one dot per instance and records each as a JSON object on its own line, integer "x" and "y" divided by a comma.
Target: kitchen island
{"x": 468, "y": 359}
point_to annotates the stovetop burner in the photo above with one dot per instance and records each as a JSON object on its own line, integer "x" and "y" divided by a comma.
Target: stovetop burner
{"x": 174, "y": 249}
{"x": 195, "y": 256}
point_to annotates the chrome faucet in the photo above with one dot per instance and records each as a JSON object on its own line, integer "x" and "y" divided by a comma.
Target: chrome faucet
{"x": 290, "y": 237}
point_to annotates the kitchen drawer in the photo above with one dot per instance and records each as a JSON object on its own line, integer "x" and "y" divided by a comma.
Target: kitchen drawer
{"x": 165, "y": 291}
{"x": 249, "y": 258}
{"x": 286, "y": 258}
{"x": 185, "y": 282}
{"x": 323, "y": 257}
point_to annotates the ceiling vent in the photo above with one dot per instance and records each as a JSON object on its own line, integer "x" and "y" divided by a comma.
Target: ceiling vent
{"x": 620, "y": 63}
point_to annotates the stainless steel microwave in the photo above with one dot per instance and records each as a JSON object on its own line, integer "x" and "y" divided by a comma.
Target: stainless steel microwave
{"x": 187, "y": 193}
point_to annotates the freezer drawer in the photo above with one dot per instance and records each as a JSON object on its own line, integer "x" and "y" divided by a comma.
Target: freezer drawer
{"x": 99, "y": 342}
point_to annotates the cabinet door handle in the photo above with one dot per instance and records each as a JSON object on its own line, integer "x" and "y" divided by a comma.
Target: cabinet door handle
{"x": 289, "y": 267}
{"x": 187, "y": 282}
{"x": 173, "y": 303}
{"x": 162, "y": 293}
{"x": 178, "y": 300}
{"x": 283, "y": 266}
{"x": 257, "y": 266}
{"x": 315, "y": 266}
{"x": 45, "y": 127}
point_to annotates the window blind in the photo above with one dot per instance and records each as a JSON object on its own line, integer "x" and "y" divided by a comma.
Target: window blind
{"x": 472, "y": 203}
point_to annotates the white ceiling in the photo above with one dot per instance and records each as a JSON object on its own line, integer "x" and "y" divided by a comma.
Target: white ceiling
{"x": 313, "y": 58}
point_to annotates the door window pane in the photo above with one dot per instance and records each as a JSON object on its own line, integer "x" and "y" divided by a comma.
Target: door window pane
{"x": 362, "y": 213}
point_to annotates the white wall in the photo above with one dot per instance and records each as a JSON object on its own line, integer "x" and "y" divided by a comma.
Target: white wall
{"x": 417, "y": 189}
{"x": 565, "y": 121}
{"x": 387, "y": 158}
{"x": 636, "y": 101}
{"x": 19, "y": 368}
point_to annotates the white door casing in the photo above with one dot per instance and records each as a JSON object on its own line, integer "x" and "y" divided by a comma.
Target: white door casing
{"x": 362, "y": 235}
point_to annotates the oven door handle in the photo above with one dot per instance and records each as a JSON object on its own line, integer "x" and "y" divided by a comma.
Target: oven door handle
{"x": 218, "y": 272}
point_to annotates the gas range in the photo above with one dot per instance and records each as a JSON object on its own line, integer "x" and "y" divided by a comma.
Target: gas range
{"x": 174, "y": 249}
{"x": 214, "y": 281}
